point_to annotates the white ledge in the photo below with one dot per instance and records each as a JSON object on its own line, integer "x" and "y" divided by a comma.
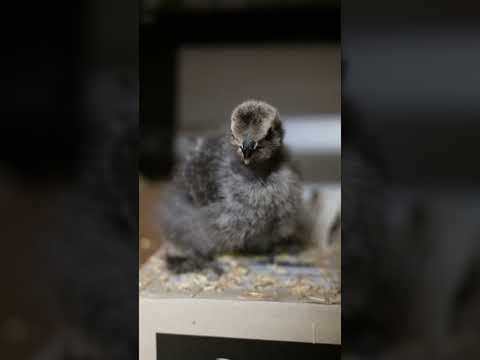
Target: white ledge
{"x": 266, "y": 320}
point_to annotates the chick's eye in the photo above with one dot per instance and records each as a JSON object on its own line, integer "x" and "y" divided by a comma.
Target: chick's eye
{"x": 269, "y": 135}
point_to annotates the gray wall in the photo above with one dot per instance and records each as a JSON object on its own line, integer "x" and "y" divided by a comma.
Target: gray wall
{"x": 299, "y": 81}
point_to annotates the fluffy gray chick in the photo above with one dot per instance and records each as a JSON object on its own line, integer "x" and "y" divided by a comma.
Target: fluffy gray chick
{"x": 236, "y": 192}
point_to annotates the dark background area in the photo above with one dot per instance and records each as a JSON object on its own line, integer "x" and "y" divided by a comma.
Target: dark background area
{"x": 411, "y": 72}
{"x": 410, "y": 254}
{"x": 68, "y": 169}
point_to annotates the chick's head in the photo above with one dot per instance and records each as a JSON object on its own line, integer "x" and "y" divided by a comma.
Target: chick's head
{"x": 256, "y": 131}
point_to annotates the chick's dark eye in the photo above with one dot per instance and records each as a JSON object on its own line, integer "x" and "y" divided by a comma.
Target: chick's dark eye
{"x": 269, "y": 135}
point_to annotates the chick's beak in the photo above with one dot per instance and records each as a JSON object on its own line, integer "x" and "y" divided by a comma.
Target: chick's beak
{"x": 248, "y": 146}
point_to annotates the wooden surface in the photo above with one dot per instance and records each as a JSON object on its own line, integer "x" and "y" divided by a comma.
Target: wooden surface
{"x": 289, "y": 278}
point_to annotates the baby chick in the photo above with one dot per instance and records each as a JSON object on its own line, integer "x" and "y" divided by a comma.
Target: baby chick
{"x": 236, "y": 192}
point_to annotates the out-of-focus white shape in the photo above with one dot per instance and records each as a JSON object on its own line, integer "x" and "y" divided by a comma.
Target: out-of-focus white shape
{"x": 309, "y": 188}
{"x": 311, "y": 134}
{"x": 324, "y": 204}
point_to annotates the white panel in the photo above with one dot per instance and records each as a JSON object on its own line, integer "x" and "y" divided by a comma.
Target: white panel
{"x": 310, "y": 323}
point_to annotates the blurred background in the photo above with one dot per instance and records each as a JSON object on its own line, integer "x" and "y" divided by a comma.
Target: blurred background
{"x": 68, "y": 174}
{"x": 410, "y": 194}
{"x": 214, "y": 55}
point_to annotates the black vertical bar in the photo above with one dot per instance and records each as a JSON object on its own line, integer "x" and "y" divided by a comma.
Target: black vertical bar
{"x": 157, "y": 104}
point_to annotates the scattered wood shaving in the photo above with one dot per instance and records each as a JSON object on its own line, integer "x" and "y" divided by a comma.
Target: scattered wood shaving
{"x": 246, "y": 278}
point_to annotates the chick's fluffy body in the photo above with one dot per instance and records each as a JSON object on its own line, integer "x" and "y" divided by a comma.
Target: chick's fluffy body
{"x": 219, "y": 204}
